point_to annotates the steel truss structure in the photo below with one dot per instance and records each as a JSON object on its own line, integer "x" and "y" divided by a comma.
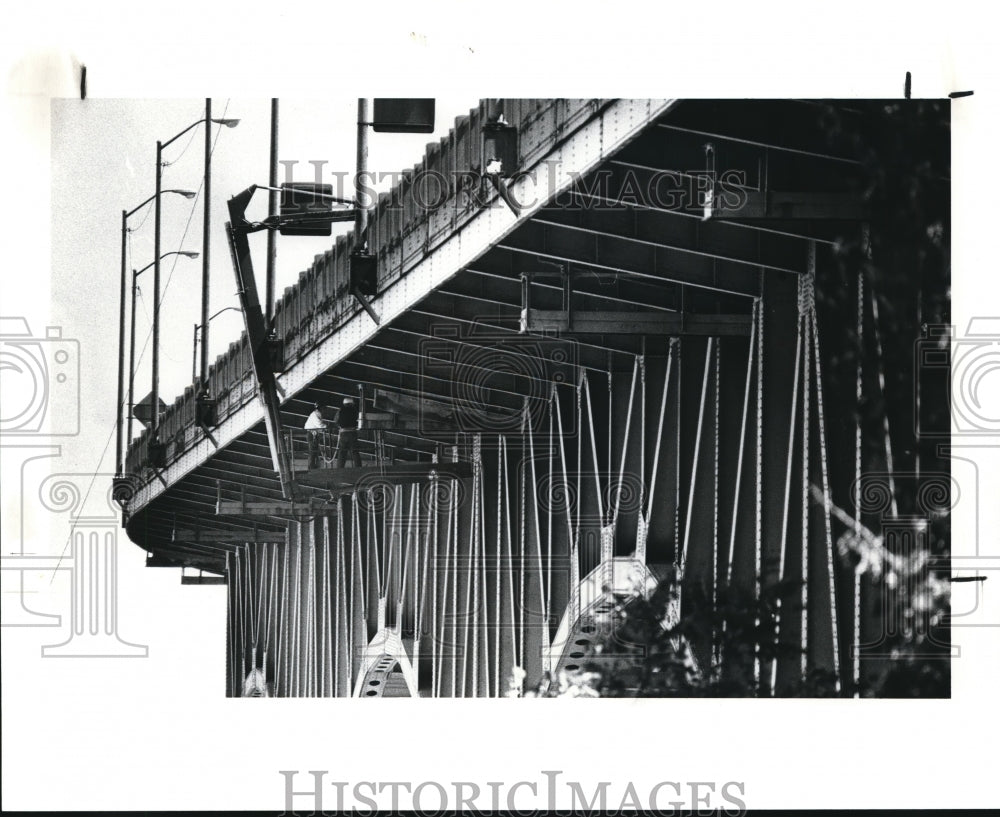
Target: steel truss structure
{"x": 727, "y": 438}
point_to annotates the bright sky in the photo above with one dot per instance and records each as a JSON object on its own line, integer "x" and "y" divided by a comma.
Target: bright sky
{"x": 115, "y": 141}
{"x": 157, "y": 732}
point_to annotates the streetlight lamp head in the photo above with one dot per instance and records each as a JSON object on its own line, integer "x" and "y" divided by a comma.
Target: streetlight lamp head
{"x": 188, "y": 194}
{"x": 186, "y": 253}
{"x": 229, "y": 123}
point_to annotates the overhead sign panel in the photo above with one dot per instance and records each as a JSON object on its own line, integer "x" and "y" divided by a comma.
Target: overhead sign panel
{"x": 403, "y": 116}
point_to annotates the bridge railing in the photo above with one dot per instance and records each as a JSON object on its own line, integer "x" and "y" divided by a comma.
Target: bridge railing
{"x": 299, "y": 443}
{"x": 403, "y": 228}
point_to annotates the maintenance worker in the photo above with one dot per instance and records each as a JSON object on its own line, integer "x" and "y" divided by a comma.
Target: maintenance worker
{"x": 347, "y": 419}
{"x": 315, "y": 428}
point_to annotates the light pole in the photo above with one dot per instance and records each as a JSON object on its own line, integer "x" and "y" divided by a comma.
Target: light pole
{"x": 272, "y": 210}
{"x": 361, "y": 214}
{"x": 131, "y": 354}
{"x": 204, "y": 343}
{"x": 229, "y": 123}
{"x": 126, "y": 214}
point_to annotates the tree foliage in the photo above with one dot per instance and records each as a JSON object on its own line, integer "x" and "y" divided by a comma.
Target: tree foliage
{"x": 902, "y": 150}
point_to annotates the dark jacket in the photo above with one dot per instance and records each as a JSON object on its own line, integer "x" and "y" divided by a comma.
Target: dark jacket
{"x": 348, "y": 417}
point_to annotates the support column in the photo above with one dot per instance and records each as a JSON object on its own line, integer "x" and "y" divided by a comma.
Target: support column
{"x": 778, "y": 416}
{"x": 627, "y": 428}
{"x": 700, "y": 534}
{"x": 533, "y": 567}
{"x": 662, "y": 435}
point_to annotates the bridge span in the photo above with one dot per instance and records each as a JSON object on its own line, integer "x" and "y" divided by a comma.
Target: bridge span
{"x": 643, "y": 360}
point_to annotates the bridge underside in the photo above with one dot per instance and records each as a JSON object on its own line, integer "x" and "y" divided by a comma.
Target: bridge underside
{"x": 638, "y": 389}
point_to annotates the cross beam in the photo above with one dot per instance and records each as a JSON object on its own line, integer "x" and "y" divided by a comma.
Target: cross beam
{"x": 292, "y": 510}
{"x": 600, "y": 322}
{"x": 356, "y": 479}
{"x": 203, "y": 579}
{"x": 795, "y": 206}
{"x": 631, "y": 323}
{"x": 231, "y": 536}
